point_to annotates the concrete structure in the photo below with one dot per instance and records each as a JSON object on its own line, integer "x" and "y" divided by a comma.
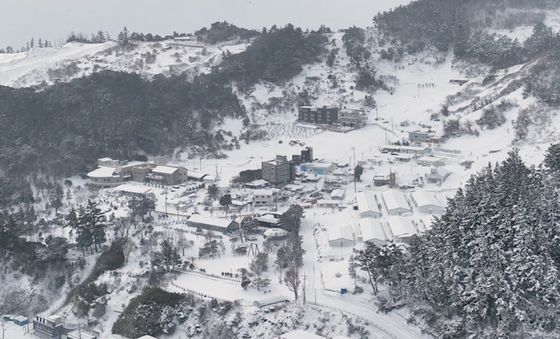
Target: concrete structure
{"x": 264, "y": 197}
{"x": 342, "y": 236}
{"x": 50, "y": 327}
{"x": 367, "y": 205}
{"x": 352, "y": 117}
{"x": 417, "y": 137}
{"x": 168, "y": 175}
{"x": 326, "y": 115}
{"x": 372, "y": 230}
{"x": 427, "y": 202}
{"x": 307, "y": 155}
{"x": 402, "y": 229}
{"x": 212, "y": 224}
{"x": 279, "y": 171}
{"x": 395, "y": 202}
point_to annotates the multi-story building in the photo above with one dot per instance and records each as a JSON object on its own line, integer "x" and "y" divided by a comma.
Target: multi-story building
{"x": 112, "y": 173}
{"x": 168, "y": 175}
{"x": 307, "y": 155}
{"x": 352, "y": 117}
{"x": 279, "y": 171}
{"x": 49, "y": 327}
{"x": 326, "y": 115}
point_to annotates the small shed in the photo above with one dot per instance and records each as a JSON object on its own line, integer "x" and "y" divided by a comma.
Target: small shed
{"x": 21, "y": 320}
{"x": 338, "y": 194}
{"x": 271, "y": 302}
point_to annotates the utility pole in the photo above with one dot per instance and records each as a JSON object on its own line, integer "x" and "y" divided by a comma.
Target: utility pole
{"x": 304, "y": 275}
{"x": 166, "y": 201}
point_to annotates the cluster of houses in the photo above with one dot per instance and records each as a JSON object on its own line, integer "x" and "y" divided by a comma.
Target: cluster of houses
{"x": 386, "y": 216}
{"x": 111, "y": 173}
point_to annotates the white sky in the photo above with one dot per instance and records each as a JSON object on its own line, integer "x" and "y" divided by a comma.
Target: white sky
{"x": 55, "y": 19}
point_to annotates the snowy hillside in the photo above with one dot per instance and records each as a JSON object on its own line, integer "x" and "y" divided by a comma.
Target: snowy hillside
{"x": 49, "y": 65}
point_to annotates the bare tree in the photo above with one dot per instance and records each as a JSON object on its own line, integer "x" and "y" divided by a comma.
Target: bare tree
{"x": 259, "y": 264}
{"x": 291, "y": 278}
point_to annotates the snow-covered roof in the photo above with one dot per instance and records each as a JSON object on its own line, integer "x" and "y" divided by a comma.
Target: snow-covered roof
{"x": 104, "y": 159}
{"x": 275, "y": 233}
{"x": 268, "y": 219}
{"x": 135, "y": 164}
{"x": 402, "y": 227}
{"x": 340, "y": 232}
{"x": 423, "y": 198}
{"x": 217, "y": 222}
{"x": 264, "y": 192}
{"x": 366, "y": 202}
{"x": 395, "y": 200}
{"x": 440, "y": 171}
{"x": 325, "y": 202}
{"x": 197, "y": 175}
{"x": 406, "y": 149}
{"x": 134, "y": 189}
{"x": 372, "y": 229}
{"x": 257, "y": 183}
{"x": 337, "y": 194}
{"x": 319, "y": 165}
{"x": 293, "y": 187}
{"x": 300, "y": 334}
{"x": 102, "y": 172}
{"x": 270, "y": 301}
{"x": 165, "y": 169}
{"x": 431, "y": 160}
{"x": 82, "y": 334}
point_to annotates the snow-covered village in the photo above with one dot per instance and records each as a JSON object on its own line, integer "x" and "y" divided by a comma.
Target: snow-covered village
{"x": 397, "y": 180}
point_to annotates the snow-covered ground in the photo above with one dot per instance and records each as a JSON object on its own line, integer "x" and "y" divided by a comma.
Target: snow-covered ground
{"x": 73, "y": 60}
